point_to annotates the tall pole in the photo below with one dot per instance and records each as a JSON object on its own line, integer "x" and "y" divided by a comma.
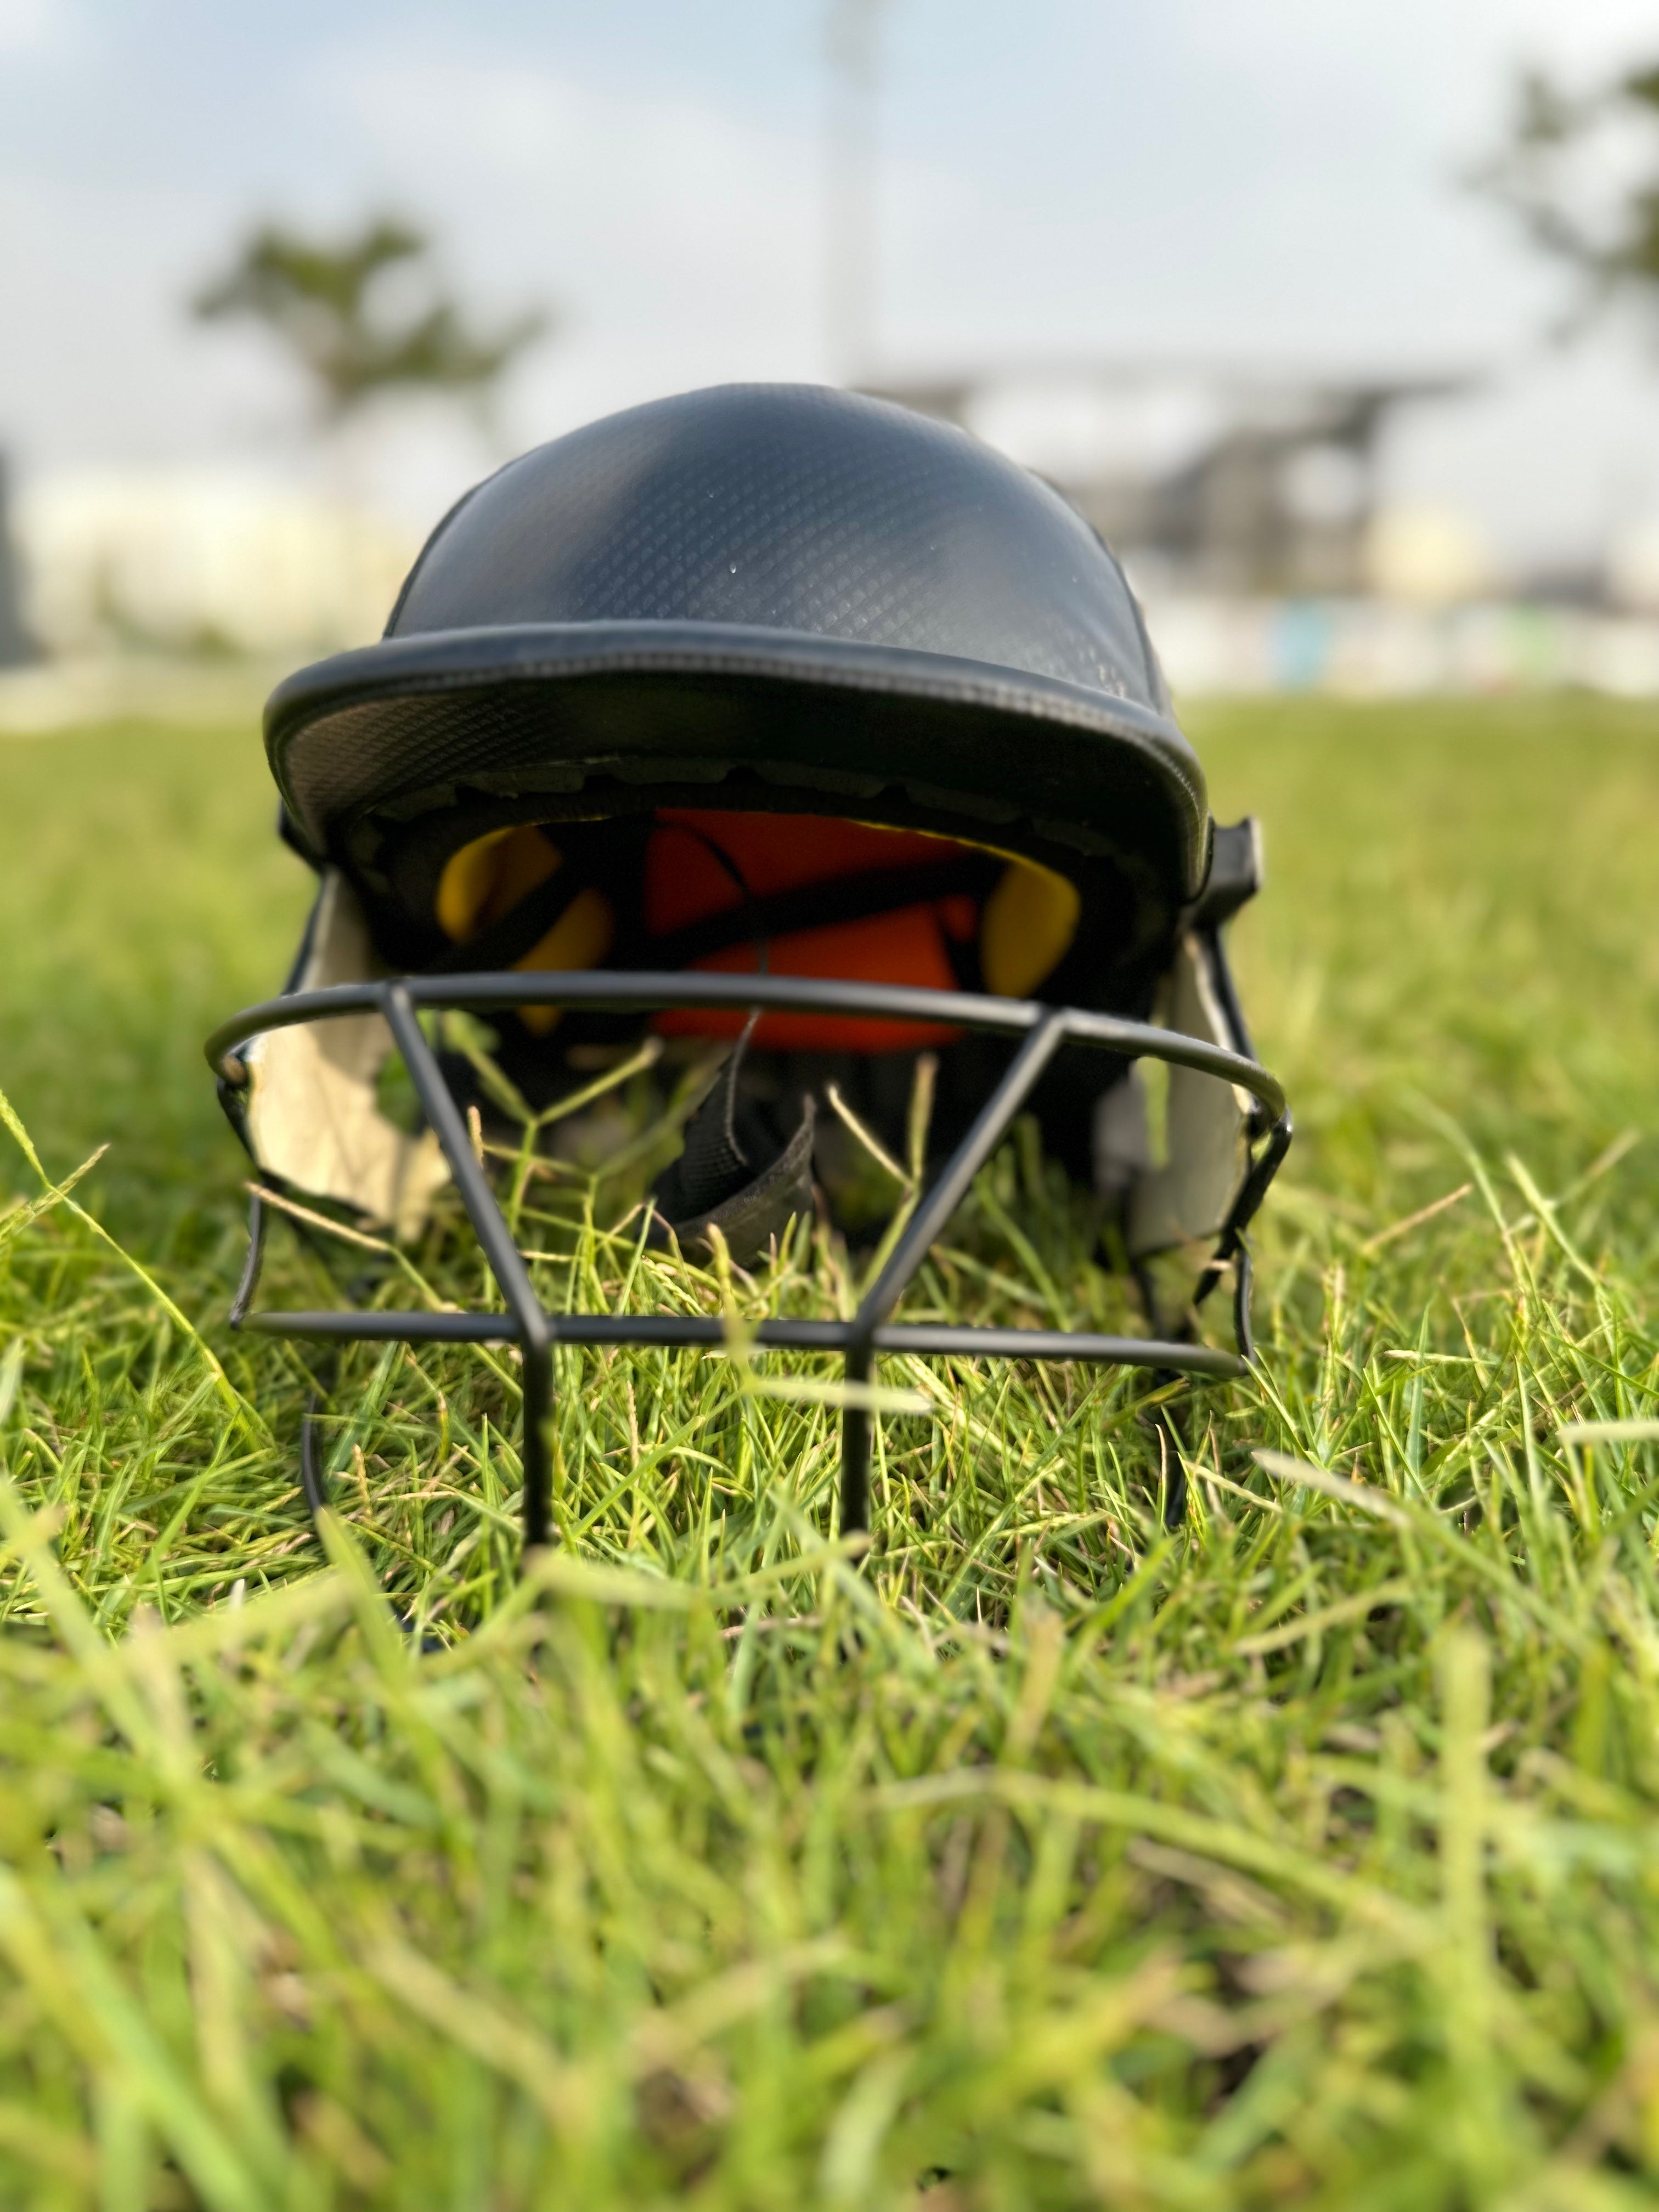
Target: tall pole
{"x": 850, "y": 213}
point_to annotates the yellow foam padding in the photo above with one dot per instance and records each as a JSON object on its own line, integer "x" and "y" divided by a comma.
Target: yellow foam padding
{"x": 1028, "y": 922}
{"x": 486, "y": 878}
{"x": 580, "y": 938}
{"x": 1028, "y": 925}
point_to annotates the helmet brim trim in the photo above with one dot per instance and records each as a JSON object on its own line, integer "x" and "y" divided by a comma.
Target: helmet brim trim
{"x": 572, "y": 702}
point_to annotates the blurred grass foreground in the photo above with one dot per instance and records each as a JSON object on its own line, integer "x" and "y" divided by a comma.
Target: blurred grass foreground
{"x": 1303, "y": 1855}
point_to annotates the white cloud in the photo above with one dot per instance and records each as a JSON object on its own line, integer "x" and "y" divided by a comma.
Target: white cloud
{"x": 671, "y": 229}
{"x": 52, "y": 28}
{"x": 101, "y": 361}
{"x": 680, "y": 242}
{"x": 1277, "y": 180}
{"x": 687, "y": 236}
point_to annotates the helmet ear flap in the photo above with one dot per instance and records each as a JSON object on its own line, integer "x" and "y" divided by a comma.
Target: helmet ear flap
{"x": 312, "y": 1116}
{"x": 1204, "y": 1154}
{"x": 1184, "y": 1183}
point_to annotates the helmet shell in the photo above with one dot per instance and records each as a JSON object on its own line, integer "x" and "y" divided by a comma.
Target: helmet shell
{"x": 758, "y": 595}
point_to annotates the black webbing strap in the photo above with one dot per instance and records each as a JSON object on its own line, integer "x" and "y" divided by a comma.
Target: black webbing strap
{"x": 520, "y": 930}
{"x": 823, "y": 905}
{"x": 714, "y": 1180}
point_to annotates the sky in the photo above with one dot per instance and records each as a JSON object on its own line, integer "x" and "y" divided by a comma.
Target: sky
{"x": 1278, "y": 182}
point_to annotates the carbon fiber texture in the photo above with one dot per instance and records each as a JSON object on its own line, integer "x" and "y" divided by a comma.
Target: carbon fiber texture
{"x": 797, "y": 508}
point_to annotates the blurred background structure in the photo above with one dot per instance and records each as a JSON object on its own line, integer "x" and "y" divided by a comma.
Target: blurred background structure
{"x": 16, "y": 645}
{"x": 1208, "y": 476}
{"x": 1340, "y": 330}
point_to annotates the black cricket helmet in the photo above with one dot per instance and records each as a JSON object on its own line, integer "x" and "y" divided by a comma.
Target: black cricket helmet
{"x": 782, "y": 715}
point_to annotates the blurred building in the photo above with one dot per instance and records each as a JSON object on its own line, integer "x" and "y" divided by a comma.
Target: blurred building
{"x": 1249, "y": 511}
{"x": 16, "y": 645}
{"x": 1427, "y": 554}
{"x": 1631, "y": 571}
{"x": 1376, "y": 648}
{"x": 1209, "y": 478}
{"x": 202, "y": 560}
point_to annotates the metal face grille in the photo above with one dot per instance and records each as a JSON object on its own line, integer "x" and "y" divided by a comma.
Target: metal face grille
{"x": 1037, "y": 1031}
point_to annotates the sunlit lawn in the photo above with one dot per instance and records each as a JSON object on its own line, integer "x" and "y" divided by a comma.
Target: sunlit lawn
{"x": 1304, "y": 1855}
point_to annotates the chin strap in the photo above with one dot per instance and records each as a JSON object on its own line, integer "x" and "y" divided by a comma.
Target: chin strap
{"x": 715, "y": 1182}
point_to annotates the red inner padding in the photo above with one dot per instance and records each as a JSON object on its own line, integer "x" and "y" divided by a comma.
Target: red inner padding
{"x": 685, "y": 882}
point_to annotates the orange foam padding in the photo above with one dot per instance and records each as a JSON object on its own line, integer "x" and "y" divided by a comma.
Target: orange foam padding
{"x": 907, "y": 947}
{"x": 685, "y": 882}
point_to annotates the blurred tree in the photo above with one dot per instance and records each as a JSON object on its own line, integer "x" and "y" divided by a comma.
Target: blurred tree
{"x": 1580, "y": 172}
{"x": 363, "y": 314}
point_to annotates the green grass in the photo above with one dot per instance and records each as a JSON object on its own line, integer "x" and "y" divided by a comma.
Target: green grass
{"x": 1304, "y": 1856}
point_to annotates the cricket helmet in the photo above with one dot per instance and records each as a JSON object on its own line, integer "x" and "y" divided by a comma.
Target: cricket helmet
{"x": 781, "y": 683}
